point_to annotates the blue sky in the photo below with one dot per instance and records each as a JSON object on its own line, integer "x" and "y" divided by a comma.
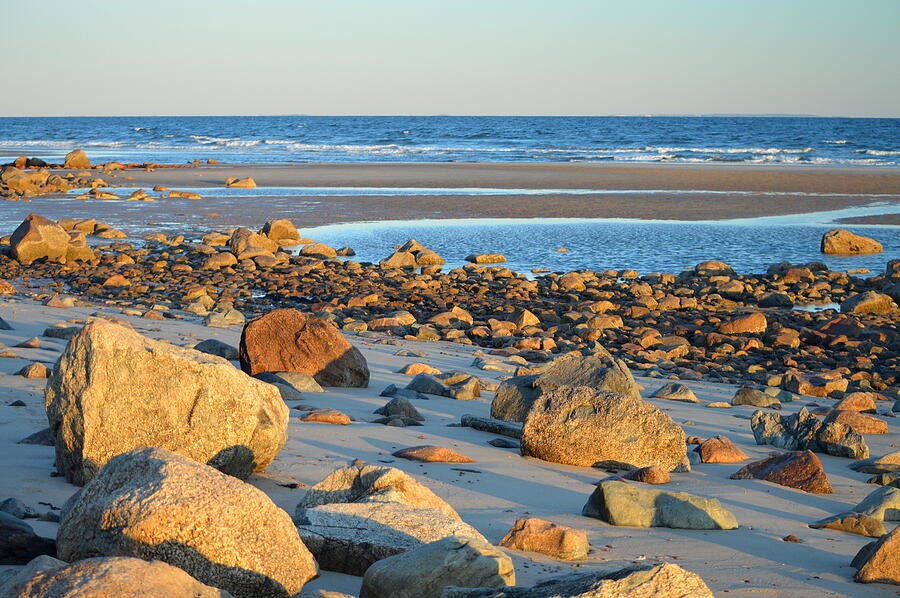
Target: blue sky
{"x": 592, "y": 57}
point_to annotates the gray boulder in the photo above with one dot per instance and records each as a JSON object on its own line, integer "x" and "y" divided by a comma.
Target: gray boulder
{"x": 868, "y": 517}
{"x": 673, "y": 391}
{"x": 753, "y": 397}
{"x": 803, "y": 431}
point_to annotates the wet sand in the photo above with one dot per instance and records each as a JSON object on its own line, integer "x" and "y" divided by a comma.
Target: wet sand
{"x": 834, "y": 188}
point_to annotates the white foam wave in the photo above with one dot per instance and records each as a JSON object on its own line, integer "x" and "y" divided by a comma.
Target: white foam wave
{"x": 872, "y": 152}
{"x": 836, "y": 141}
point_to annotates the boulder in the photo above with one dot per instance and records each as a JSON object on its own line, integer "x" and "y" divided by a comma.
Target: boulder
{"x": 869, "y": 302}
{"x": 842, "y": 242}
{"x": 755, "y": 398}
{"x": 648, "y": 475}
{"x": 486, "y": 258}
{"x": 287, "y": 340}
{"x": 621, "y": 503}
{"x": 754, "y": 323}
{"x": 888, "y": 463}
{"x": 801, "y": 470}
{"x": 106, "y": 577}
{"x": 76, "y": 160}
{"x": 245, "y": 183}
{"x": 589, "y": 428}
{"x": 720, "y": 449}
{"x": 673, "y": 391}
{"x": 218, "y": 348}
{"x": 19, "y": 543}
{"x": 351, "y": 537}
{"x": 432, "y": 454}
{"x": 643, "y": 581}
{"x": 220, "y": 530}
{"x": 245, "y": 244}
{"x": 868, "y": 517}
{"x": 398, "y": 406}
{"x": 281, "y": 231}
{"x": 38, "y": 238}
{"x": 713, "y": 268}
{"x": 318, "y": 250}
{"x": 877, "y": 562}
{"x": 531, "y": 534}
{"x": 599, "y": 371}
{"x": 803, "y": 431}
{"x": 399, "y": 259}
{"x": 858, "y": 422}
{"x": 113, "y": 390}
{"x": 425, "y": 571}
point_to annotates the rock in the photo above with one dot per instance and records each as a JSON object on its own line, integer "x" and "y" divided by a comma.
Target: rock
{"x": 432, "y": 454}
{"x": 18, "y": 542}
{"x": 221, "y": 531}
{"x": 245, "y": 183}
{"x": 218, "y": 348}
{"x": 516, "y": 395}
{"x": 414, "y": 369}
{"x": 674, "y": 391}
{"x": 38, "y": 238}
{"x": 33, "y": 370}
{"x": 621, "y": 503}
{"x": 455, "y": 385}
{"x": 884, "y": 464}
{"x": 425, "y": 571}
{"x": 877, "y": 562}
{"x": 643, "y": 581}
{"x": 754, "y": 323}
{"x": 327, "y": 416}
{"x": 222, "y": 259}
{"x": 858, "y": 422}
{"x": 861, "y": 402}
{"x": 801, "y": 470}
{"x": 318, "y": 250}
{"x": 281, "y": 231}
{"x": 842, "y": 242}
{"x": 373, "y": 483}
{"x": 821, "y": 385}
{"x": 286, "y": 340}
{"x": 714, "y": 268}
{"x": 774, "y": 299}
{"x": 803, "y": 431}
{"x": 402, "y": 407}
{"x": 427, "y": 257}
{"x": 350, "y": 537}
{"x": 399, "y": 259}
{"x": 107, "y": 577}
{"x": 589, "y": 428}
{"x": 296, "y": 380}
{"x": 756, "y": 398}
{"x": 245, "y": 244}
{"x": 76, "y": 160}
{"x": 113, "y": 390}
{"x": 720, "y": 449}
{"x": 869, "y": 302}
{"x": 16, "y": 508}
{"x": 486, "y": 258}
{"x": 868, "y": 517}
{"x": 531, "y": 534}
{"x": 224, "y": 319}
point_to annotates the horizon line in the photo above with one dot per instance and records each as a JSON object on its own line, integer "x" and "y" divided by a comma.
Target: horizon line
{"x": 644, "y": 115}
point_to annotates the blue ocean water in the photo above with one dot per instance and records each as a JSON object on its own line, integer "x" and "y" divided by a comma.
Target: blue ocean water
{"x": 291, "y": 139}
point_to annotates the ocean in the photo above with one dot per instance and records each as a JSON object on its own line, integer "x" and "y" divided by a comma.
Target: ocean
{"x": 296, "y": 139}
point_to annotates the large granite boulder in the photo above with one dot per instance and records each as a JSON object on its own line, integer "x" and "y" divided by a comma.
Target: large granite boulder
{"x": 113, "y": 390}
{"x": 76, "y": 160}
{"x": 879, "y": 561}
{"x": 803, "y": 430}
{"x": 281, "y": 231}
{"x": 868, "y": 517}
{"x": 545, "y": 537}
{"x": 590, "y": 428}
{"x": 842, "y": 242}
{"x": 425, "y": 571}
{"x": 38, "y": 238}
{"x": 620, "y": 503}
{"x": 599, "y": 371}
{"x": 106, "y": 577}
{"x": 869, "y": 302}
{"x": 643, "y": 581}
{"x": 287, "y": 340}
{"x": 151, "y": 503}
{"x": 801, "y": 470}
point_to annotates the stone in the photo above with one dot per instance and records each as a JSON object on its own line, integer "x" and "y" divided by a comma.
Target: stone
{"x": 486, "y": 258}
{"x": 858, "y": 422}
{"x": 34, "y": 370}
{"x": 648, "y": 475}
{"x": 107, "y": 577}
{"x": 19, "y": 543}
{"x": 402, "y": 407}
{"x": 218, "y": 348}
{"x": 245, "y": 244}
{"x": 714, "y": 268}
{"x": 861, "y": 402}
{"x": 589, "y": 428}
{"x": 754, "y": 323}
{"x": 755, "y": 398}
{"x": 432, "y": 454}
{"x": 399, "y": 259}
{"x": 414, "y": 369}
{"x": 643, "y": 581}
{"x": 801, "y": 470}
{"x": 621, "y": 503}
{"x": 218, "y": 529}
{"x": 869, "y": 302}
{"x": 113, "y": 390}
{"x": 287, "y": 340}
{"x": 327, "y": 416}
{"x": 599, "y": 371}
{"x": 38, "y": 238}
{"x": 455, "y": 385}
{"x": 281, "y": 231}
{"x": 720, "y": 449}
{"x": 76, "y": 160}
{"x": 877, "y": 562}
{"x": 868, "y": 517}
{"x": 245, "y": 183}
{"x": 373, "y": 483}
{"x": 803, "y": 431}
{"x": 842, "y": 242}
{"x": 351, "y": 537}
{"x": 318, "y": 250}
{"x": 884, "y": 464}
{"x": 425, "y": 571}
{"x": 673, "y": 391}
{"x": 531, "y": 534}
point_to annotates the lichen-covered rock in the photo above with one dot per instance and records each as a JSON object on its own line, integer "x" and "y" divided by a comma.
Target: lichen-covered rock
{"x": 222, "y": 531}
{"x": 425, "y": 571}
{"x": 107, "y": 577}
{"x": 113, "y": 390}
{"x": 589, "y": 428}
{"x": 287, "y": 340}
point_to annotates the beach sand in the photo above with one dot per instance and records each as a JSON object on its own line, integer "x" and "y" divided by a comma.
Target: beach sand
{"x": 834, "y": 189}
{"x": 751, "y": 561}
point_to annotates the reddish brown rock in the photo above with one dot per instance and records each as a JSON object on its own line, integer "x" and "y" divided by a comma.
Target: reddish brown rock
{"x": 749, "y": 324}
{"x": 537, "y": 535}
{"x": 648, "y": 475}
{"x": 801, "y": 470}
{"x": 286, "y": 340}
{"x": 327, "y": 416}
{"x": 859, "y": 422}
{"x": 432, "y": 454}
{"x": 862, "y": 402}
{"x": 720, "y": 449}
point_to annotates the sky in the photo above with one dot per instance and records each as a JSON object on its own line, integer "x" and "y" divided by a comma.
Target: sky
{"x": 490, "y": 57}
